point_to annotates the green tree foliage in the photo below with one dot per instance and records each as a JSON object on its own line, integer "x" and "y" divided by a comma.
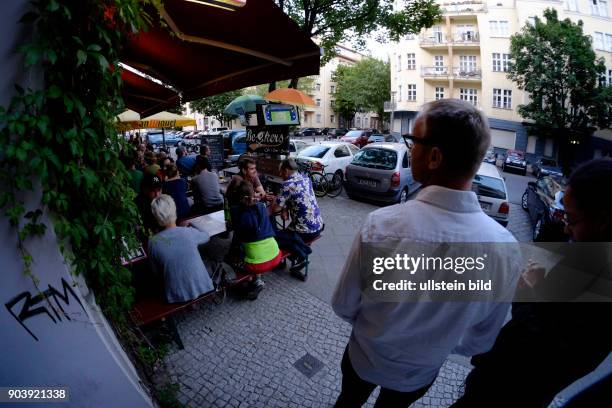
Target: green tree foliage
{"x": 214, "y": 105}
{"x": 63, "y": 136}
{"x": 554, "y": 62}
{"x": 363, "y": 87}
{"x": 334, "y": 22}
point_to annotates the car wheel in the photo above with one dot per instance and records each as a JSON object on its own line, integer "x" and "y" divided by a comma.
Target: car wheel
{"x": 403, "y": 197}
{"x": 525, "y": 201}
{"x": 538, "y": 229}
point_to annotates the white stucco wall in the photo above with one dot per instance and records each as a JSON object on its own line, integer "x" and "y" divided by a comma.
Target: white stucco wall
{"x": 40, "y": 345}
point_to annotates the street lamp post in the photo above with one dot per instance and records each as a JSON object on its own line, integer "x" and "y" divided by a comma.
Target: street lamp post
{"x": 392, "y": 111}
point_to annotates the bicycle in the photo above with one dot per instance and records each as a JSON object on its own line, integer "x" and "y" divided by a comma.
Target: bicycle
{"x": 322, "y": 183}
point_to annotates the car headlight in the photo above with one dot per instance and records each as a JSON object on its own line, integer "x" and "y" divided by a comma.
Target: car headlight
{"x": 524, "y": 163}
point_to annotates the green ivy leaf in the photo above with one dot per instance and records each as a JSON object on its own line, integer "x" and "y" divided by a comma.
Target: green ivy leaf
{"x": 54, "y": 92}
{"x": 53, "y": 6}
{"x": 81, "y": 57}
{"x": 94, "y": 47}
{"x": 51, "y": 56}
{"x": 103, "y": 61}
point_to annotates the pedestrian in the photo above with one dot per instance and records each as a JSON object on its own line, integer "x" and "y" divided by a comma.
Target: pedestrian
{"x": 401, "y": 346}
{"x": 549, "y": 344}
{"x": 298, "y": 202}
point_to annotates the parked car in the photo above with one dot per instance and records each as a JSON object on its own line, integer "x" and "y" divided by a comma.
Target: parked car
{"x": 157, "y": 139}
{"x": 296, "y": 146}
{"x": 357, "y": 137}
{"x": 216, "y": 130}
{"x": 546, "y": 167}
{"x": 324, "y": 131}
{"x": 334, "y": 155}
{"x": 337, "y": 133}
{"x": 306, "y": 132}
{"x": 492, "y": 194}
{"x": 515, "y": 160}
{"x": 379, "y": 137}
{"x": 234, "y": 144}
{"x": 490, "y": 156}
{"x": 381, "y": 172}
{"x": 543, "y": 199}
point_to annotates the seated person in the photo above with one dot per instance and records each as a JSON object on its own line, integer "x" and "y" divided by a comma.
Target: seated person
{"x": 184, "y": 163}
{"x": 150, "y": 188}
{"x": 204, "y": 158}
{"x": 254, "y": 231}
{"x": 174, "y": 254}
{"x": 298, "y": 200}
{"x": 177, "y": 188}
{"x": 248, "y": 172}
{"x": 207, "y": 196}
{"x": 151, "y": 164}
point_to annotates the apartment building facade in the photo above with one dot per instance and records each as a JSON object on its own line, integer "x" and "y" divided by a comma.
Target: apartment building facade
{"x": 324, "y": 114}
{"x": 466, "y": 56}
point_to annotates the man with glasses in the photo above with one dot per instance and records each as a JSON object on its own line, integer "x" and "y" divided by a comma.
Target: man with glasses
{"x": 401, "y": 346}
{"x": 548, "y": 345}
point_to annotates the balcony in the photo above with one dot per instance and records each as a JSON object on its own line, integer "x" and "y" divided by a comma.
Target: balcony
{"x": 389, "y": 106}
{"x": 435, "y": 72}
{"x": 464, "y": 8}
{"x": 433, "y": 40}
{"x": 467, "y": 74}
{"x": 467, "y": 39}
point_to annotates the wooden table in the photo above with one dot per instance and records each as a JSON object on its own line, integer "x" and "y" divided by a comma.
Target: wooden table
{"x": 213, "y": 223}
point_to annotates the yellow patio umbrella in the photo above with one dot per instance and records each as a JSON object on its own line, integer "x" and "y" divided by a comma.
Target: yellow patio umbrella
{"x": 159, "y": 120}
{"x": 290, "y": 95}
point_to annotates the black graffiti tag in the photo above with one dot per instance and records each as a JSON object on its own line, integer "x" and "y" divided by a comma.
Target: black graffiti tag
{"x": 30, "y": 308}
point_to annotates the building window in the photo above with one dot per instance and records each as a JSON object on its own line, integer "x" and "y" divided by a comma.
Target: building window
{"x": 599, "y": 8}
{"x": 439, "y": 92}
{"x": 412, "y": 92}
{"x": 469, "y": 95}
{"x": 332, "y": 88}
{"x": 318, "y": 118}
{"x": 610, "y": 77}
{"x": 500, "y": 62}
{"x": 358, "y": 122}
{"x": 598, "y": 44}
{"x": 332, "y": 118}
{"x": 332, "y": 103}
{"x": 499, "y": 28}
{"x": 571, "y": 5}
{"x": 437, "y": 34}
{"x": 502, "y": 98}
{"x": 410, "y": 37}
{"x": 439, "y": 64}
{"x": 318, "y": 102}
{"x": 399, "y": 62}
{"x": 410, "y": 61}
{"x": 531, "y": 21}
{"x": 608, "y": 44}
{"x": 318, "y": 86}
{"x": 365, "y": 122}
{"x": 467, "y": 63}
{"x": 399, "y": 93}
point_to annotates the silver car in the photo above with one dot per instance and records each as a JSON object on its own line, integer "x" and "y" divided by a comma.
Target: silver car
{"x": 490, "y": 188}
{"x": 381, "y": 172}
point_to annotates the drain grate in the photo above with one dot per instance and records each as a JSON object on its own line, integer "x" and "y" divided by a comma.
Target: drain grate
{"x": 308, "y": 365}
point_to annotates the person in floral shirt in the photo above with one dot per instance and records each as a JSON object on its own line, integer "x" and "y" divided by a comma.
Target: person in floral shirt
{"x": 298, "y": 199}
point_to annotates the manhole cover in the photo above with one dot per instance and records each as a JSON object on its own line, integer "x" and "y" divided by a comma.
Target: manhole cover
{"x": 308, "y": 365}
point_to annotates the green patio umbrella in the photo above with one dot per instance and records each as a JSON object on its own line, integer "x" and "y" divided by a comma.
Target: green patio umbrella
{"x": 244, "y": 104}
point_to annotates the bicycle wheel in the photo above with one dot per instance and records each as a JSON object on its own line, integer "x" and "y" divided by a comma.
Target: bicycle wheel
{"x": 319, "y": 184}
{"x": 334, "y": 184}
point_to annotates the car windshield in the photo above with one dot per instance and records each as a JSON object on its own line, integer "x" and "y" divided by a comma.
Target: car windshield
{"x": 315, "y": 151}
{"x": 549, "y": 162}
{"x": 353, "y": 133}
{"x": 488, "y": 186}
{"x": 376, "y": 158}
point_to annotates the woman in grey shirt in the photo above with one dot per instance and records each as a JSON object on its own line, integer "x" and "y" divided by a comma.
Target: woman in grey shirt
{"x": 174, "y": 254}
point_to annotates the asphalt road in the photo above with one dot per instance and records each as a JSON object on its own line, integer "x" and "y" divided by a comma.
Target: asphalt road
{"x": 516, "y": 185}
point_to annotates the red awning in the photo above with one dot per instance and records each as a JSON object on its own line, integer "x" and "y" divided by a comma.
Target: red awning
{"x": 213, "y": 51}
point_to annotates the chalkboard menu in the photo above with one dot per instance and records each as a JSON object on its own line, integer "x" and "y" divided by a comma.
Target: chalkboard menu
{"x": 268, "y": 139}
{"x": 215, "y": 143}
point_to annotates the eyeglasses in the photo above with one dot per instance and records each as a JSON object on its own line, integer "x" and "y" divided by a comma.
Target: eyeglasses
{"x": 419, "y": 140}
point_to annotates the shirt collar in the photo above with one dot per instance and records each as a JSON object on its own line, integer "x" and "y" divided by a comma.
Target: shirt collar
{"x": 449, "y": 199}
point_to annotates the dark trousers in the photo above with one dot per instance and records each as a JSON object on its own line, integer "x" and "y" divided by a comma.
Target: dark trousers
{"x": 355, "y": 391}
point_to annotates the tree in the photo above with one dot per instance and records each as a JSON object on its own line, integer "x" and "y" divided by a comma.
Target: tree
{"x": 554, "y": 62}
{"x": 214, "y": 105}
{"x": 363, "y": 87}
{"x": 334, "y": 22}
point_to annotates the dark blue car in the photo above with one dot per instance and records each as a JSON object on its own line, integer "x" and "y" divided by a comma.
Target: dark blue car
{"x": 546, "y": 167}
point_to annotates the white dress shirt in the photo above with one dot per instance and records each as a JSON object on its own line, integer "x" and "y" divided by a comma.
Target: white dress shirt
{"x": 402, "y": 345}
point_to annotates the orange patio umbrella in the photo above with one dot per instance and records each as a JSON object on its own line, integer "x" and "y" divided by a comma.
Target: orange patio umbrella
{"x": 289, "y": 95}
